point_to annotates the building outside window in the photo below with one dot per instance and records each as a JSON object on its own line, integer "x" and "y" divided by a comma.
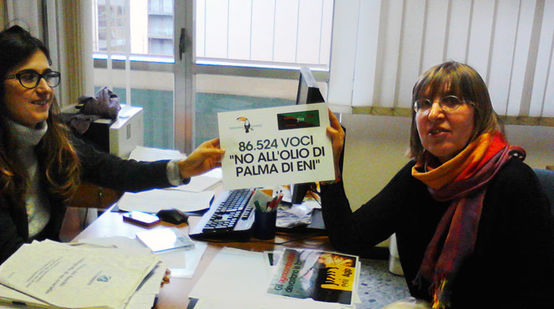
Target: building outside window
{"x": 249, "y": 35}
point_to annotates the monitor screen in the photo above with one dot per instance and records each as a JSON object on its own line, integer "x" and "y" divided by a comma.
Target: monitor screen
{"x": 308, "y": 92}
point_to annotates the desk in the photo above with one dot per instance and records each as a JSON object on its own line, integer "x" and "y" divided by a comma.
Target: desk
{"x": 175, "y": 294}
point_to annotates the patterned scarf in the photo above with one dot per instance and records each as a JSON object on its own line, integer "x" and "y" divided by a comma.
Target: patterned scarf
{"x": 462, "y": 181}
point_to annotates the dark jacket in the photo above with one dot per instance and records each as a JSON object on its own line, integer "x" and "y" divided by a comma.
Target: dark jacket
{"x": 96, "y": 167}
{"x": 513, "y": 262}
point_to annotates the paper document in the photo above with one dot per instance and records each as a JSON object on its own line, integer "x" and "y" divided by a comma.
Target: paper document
{"x": 234, "y": 273}
{"x": 196, "y": 184}
{"x": 275, "y": 146}
{"x": 68, "y": 276}
{"x": 144, "y": 297}
{"x": 155, "y": 200}
{"x": 8, "y": 295}
{"x": 241, "y": 279}
{"x": 165, "y": 239}
{"x": 182, "y": 263}
{"x": 150, "y": 154}
{"x": 202, "y": 182}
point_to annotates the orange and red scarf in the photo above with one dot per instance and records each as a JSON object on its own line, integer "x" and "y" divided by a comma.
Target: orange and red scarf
{"x": 462, "y": 181}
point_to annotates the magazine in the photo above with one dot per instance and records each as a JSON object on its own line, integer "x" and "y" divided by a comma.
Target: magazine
{"x": 320, "y": 275}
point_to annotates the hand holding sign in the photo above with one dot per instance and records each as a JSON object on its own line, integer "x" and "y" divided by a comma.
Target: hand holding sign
{"x": 275, "y": 146}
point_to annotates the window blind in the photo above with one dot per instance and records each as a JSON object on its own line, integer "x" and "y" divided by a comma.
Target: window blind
{"x": 509, "y": 42}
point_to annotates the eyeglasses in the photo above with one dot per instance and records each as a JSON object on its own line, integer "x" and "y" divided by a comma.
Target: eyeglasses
{"x": 30, "y": 78}
{"x": 448, "y": 104}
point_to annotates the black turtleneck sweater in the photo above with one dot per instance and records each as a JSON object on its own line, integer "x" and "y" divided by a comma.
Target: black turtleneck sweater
{"x": 513, "y": 262}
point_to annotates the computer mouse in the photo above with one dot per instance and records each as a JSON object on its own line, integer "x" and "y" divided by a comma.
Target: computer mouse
{"x": 173, "y": 216}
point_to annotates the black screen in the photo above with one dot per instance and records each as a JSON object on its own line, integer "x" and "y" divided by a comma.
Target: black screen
{"x": 308, "y": 92}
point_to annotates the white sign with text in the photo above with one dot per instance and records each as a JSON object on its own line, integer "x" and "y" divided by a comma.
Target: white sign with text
{"x": 275, "y": 146}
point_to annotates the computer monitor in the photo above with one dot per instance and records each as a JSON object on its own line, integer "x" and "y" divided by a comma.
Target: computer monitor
{"x": 308, "y": 92}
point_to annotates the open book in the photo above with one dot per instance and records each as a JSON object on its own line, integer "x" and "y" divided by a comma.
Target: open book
{"x": 51, "y": 274}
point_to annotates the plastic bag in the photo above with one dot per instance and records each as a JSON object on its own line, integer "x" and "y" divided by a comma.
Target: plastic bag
{"x": 106, "y": 104}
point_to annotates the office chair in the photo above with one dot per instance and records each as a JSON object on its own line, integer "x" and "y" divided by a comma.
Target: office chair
{"x": 546, "y": 178}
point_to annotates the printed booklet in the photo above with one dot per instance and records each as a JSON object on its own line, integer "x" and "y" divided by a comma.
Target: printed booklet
{"x": 159, "y": 240}
{"x": 320, "y": 275}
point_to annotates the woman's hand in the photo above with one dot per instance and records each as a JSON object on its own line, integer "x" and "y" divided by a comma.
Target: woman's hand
{"x": 204, "y": 158}
{"x": 336, "y": 133}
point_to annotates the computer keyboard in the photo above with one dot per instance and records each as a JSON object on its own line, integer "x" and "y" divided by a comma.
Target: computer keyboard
{"x": 229, "y": 217}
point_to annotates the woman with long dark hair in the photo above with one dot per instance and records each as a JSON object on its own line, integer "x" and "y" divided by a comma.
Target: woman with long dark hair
{"x": 42, "y": 164}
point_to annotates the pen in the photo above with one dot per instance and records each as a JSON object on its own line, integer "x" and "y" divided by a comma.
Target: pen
{"x": 275, "y": 201}
{"x": 279, "y": 199}
{"x": 272, "y": 203}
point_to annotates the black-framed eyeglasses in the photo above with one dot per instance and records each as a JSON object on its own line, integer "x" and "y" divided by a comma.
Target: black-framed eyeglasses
{"x": 448, "y": 104}
{"x": 31, "y": 78}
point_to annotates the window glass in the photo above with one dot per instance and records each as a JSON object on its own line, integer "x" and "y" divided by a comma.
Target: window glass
{"x": 149, "y": 23}
{"x": 284, "y": 34}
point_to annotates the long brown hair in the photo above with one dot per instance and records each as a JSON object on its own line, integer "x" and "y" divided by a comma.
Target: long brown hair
{"x": 57, "y": 157}
{"x": 462, "y": 81}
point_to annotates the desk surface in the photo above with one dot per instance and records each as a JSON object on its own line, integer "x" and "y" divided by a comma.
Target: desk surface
{"x": 175, "y": 294}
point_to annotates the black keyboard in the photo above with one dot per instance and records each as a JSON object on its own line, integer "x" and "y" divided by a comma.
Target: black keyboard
{"x": 229, "y": 217}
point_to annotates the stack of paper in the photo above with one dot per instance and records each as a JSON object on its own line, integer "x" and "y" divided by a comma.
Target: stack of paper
{"x": 193, "y": 196}
{"x": 51, "y": 274}
{"x": 181, "y": 262}
{"x": 244, "y": 279}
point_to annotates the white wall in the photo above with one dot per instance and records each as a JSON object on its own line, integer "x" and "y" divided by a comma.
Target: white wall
{"x": 376, "y": 147}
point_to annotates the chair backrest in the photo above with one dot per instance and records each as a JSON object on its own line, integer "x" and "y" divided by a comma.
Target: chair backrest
{"x": 546, "y": 178}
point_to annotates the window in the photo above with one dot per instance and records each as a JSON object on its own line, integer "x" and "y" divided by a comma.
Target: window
{"x": 149, "y": 27}
{"x": 275, "y": 33}
{"x": 234, "y": 40}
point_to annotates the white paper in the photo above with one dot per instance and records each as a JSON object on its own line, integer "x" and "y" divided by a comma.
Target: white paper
{"x": 176, "y": 260}
{"x": 144, "y": 297}
{"x": 94, "y": 277}
{"x": 275, "y": 146}
{"x": 233, "y": 273}
{"x": 7, "y": 295}
{"x": 197, "y": 183}
{"x": 241, "y": 279}
{"x": 189, "y": 197}
{"x": 181, "y": 263}
{"x": 149, "y": 154}
{"x": 201, "y": 182}
{"x": 164, "y": 239}
{"x": 155, "y": 200}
